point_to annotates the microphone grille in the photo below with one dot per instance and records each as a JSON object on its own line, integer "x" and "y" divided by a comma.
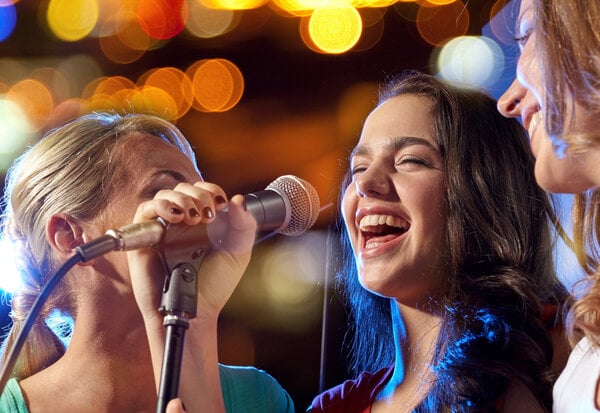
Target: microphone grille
{"x": 304, "y": 203}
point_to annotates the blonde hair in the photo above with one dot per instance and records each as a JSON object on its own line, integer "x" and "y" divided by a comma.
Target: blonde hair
{"x": 569, "y": 47}
{"x": 68, "y": 171}
{"x": 584, "y": 315}
{"x": 569, "y": 43}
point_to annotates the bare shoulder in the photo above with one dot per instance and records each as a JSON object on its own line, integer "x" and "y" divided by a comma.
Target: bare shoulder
{"x": 519, "y": 399}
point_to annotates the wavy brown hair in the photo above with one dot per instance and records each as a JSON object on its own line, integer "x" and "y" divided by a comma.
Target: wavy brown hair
{"x": 498, "y": 250}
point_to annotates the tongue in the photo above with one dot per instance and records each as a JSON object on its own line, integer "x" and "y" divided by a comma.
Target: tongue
{"x": 376, "y": 240}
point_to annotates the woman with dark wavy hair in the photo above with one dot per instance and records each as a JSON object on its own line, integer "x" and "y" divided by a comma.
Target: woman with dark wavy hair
{"x": 447, "y": 264}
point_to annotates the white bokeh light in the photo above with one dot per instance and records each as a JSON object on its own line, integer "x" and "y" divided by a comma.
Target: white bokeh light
{"x": 14, "y": 132}
{"x": 473, "y": 61}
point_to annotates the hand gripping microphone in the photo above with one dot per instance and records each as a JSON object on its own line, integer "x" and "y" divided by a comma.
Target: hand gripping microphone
{"x": 289, "y": 205}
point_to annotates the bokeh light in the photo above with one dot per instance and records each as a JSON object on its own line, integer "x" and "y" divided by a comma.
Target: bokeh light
{"x": 296, "y": 8}
{"x": 335, "y": 28}
{"x": 56, "y": 82}
{"x": 34, "y": 99}
{"x": 8, "y": 20}
{"x": 353, "y": 107}
{"x": 72, "y": 20}
{"x": 475, "y": 61}
{"x": 283, "y": 282}
{"x": 373, "y": 28}
{"x": 14, "y": 132}
{"x": 79, "y": 70}
{"x": 218, "y": 85}
{"x": 441, "y": 23}
{"x": 233, "y": 4}
{"x": 176, "y": 84}
{"x": 502, "y": 21}
{"x": 117, "y": 51}
{"x": 427, "y": 3}
{"x": 206, "y": 22}
{"x": 162, "y": 19}
{"x": 153, "y": 100}
{"x": 129, "y": 31}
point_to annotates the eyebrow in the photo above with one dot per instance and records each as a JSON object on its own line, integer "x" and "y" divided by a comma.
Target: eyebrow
{"x": 394, "y": 144}
{"x": 519, "y": 20}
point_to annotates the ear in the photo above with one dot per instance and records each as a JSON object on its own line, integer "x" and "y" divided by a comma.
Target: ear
{"x": 64, "y": 234}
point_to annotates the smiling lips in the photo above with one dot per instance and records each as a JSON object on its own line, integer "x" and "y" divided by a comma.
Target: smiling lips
{"x": 378, "y": 229}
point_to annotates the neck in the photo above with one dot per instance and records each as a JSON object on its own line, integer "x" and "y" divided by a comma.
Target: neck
{"x": 107, "y": 363}
{"x": 415, "y": 336}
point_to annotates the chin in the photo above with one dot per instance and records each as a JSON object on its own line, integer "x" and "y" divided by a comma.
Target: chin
{"x": 562, "y": 185}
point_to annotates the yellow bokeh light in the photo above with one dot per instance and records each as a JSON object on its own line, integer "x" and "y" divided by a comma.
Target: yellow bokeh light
{"x": 149, "y": 99}
{"x": 72, "y": 20}
{"x": 297, "y": 7}
{"x": 233, "y": 4}
{"x": 336, "y": 28}
{"x": 374, "y": 3}
{"x": 207, "y": 22}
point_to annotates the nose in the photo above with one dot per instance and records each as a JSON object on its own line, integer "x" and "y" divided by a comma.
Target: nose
{"x": 509, "y": 104}
{"x": 372, "y": 182}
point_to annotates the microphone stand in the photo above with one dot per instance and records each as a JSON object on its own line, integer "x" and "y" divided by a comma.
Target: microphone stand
{"x": 178, "y": 306}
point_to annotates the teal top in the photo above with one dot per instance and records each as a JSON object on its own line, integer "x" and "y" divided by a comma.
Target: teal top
{"x": 245, "y": 390}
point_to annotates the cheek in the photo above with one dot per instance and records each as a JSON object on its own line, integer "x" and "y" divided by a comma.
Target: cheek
{"x": 434, "y": 218}
{"x": 348, "y": 210}
{"x": 528, "y": 71}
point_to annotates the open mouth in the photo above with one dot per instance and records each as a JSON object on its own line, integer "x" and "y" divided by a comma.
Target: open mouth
{"x": 379, "y": 229}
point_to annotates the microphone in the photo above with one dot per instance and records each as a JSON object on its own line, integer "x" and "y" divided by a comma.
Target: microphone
{"x": 289, "y": 205}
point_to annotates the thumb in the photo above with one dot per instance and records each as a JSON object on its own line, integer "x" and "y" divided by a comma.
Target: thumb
{"x": 175, "y": 406}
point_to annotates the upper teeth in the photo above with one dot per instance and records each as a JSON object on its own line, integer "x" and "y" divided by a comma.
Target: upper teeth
{"x": 535, "y": 119}
{"x": 374, "y": 220}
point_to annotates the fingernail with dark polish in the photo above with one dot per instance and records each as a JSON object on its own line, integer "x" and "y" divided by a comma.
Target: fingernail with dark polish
{"x": 219, "y": 200}
{"x": 194, "y": 213}
{"x": 176, "y": 211}
{"x": 207, "y": 213}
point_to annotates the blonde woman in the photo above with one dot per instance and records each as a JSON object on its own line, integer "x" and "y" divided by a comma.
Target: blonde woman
{"x": 99, "y": 172}
{"x": 557, "y": 96}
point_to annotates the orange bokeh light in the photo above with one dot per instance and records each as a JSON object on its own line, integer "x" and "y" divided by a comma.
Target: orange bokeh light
{"x": 438, "y": 24}
{"x": 34, "y": 99}
{"x": 175, "y": 83}
{"x": 218, "y": 85}
{"x": 162, "y": 19}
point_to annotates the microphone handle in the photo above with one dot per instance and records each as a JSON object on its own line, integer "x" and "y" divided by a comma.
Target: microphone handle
{"x": 270, "y": 209}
